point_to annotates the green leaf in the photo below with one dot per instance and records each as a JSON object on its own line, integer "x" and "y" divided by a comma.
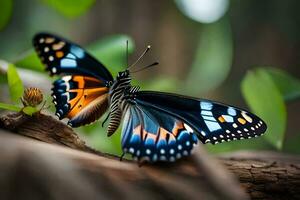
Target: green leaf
{"x": 10, "y": 107}
{"x": 29, "y": 110}
{"x": 5, "y": 12}
{"x": 15, "y": 84}
{"x": 70, "y": 8}
{"x": 265, "y": 99}
{"x": 288, "y": 85}
{"x": 111, "y": 51}
{"x": 213, "y": 58}
{"x": 30, "y": 60}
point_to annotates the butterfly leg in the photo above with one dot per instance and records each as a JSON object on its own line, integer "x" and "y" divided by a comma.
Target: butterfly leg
{"x": 105, "y": 119}
{"x": 123, "y": 154}
{"x": 141, "y": 163}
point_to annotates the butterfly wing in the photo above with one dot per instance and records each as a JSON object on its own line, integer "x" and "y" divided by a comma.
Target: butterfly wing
{"x": 212, "y": 121}
{"x": 82, "y": 96}
{"x": 153, "y": 136}
{"x": 82, "y": 99}
{"x": 164, "y": 127}
{"x": 62, "y": 56}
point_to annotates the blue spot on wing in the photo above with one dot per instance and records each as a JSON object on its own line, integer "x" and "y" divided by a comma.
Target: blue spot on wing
{"x": 77, "y": 51}
{"x": 68, "y": 62}
{"x": 206, "y": 105}
{"x": 231, "y": 111}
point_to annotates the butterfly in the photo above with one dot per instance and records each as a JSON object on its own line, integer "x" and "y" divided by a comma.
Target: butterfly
{"x": 156, "y": 126}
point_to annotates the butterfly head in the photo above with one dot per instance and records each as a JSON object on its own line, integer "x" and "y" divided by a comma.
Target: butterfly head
{"x": 123, "y": 74}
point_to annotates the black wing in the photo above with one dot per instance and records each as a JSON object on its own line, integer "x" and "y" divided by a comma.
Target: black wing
{"x": 62, "y": 56}
{"x": 213, "y": 122}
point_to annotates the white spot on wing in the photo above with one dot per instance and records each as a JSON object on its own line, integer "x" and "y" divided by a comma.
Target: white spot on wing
{"x": 203, "y": 133}
{"x": 131, "y": 150}
{"x": 185, "y": 153}
{"x": 54, "y": 70}
{"x": 188, "y": 128}
{"x": 148, "y": 151}
{"x": 172, "y": 151}
{"x": 249, "y": 119}
{"x": 66, "y": 78}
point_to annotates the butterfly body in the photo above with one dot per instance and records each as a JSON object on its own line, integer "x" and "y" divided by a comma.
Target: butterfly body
{"x": 116, "y": 99}
{"x": 157, "y": 126}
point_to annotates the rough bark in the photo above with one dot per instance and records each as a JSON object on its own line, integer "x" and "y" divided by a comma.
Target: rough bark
{"x": 35, "y": 170}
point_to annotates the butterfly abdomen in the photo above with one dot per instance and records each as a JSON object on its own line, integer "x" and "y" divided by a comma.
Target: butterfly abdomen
{"x": 116, "y": 93}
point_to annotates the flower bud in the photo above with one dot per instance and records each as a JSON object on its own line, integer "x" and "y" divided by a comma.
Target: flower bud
{"x": 32, "y": 97}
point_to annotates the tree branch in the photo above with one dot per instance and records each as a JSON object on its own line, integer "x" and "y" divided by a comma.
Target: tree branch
{"x": 263, "y": 175}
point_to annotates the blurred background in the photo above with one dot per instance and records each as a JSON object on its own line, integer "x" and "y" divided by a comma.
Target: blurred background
{"x": 242, "y": 53}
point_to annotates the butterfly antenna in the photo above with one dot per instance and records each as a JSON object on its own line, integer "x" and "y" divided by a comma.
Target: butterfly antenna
{"x": 141, "y": 56}
{"x": 153, "y": 64}
{"x": 127, "y": 54}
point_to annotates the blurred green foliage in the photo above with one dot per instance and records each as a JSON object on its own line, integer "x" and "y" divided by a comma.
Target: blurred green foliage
{"x": 111, "y": 51}
{"x": 30, "y": 60}
{"x": 5, "y": 12}
{"x": 213, "y": 58}
{"x": 70, "y": 8}
{"x": 288, "y": 85}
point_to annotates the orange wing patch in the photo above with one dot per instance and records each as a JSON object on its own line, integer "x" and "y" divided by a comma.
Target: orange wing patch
{"x": 221, "y": 119}
{"x": 87, "y": 99}
{"x": 242, "y": 121}
{"x": 59, "y": 54}
{"x": 84, "y": 97}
